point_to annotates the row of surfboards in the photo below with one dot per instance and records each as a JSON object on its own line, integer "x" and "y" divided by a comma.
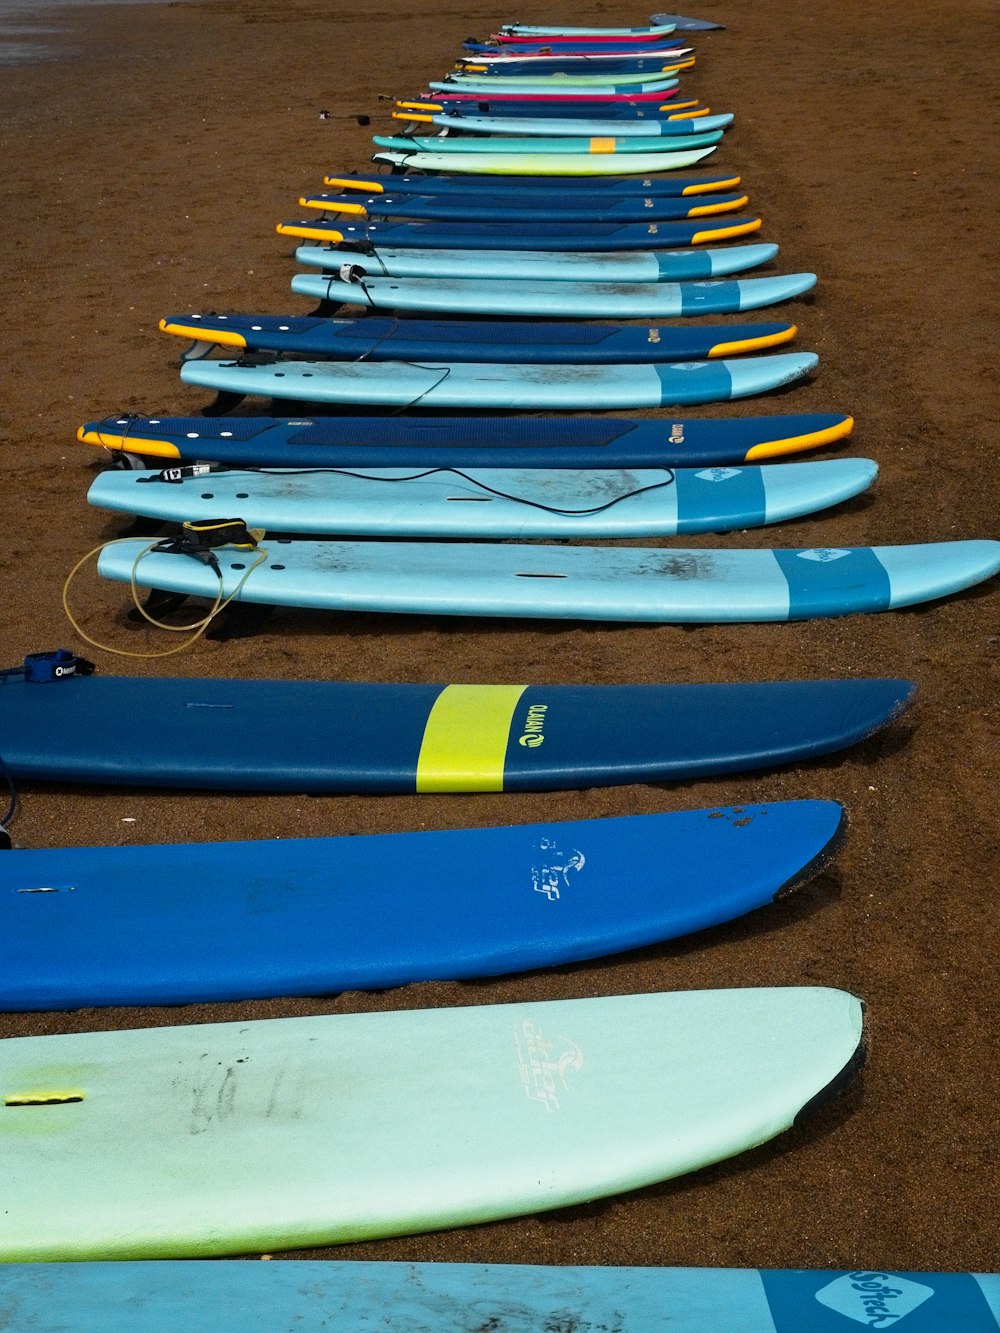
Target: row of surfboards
{"x": 239, "y": 1137}
{"x": 636, "y": 483}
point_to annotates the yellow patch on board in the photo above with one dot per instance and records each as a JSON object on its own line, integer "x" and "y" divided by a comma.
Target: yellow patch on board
{"x": 796, "y": 443}
{"x": 156, "y": 448}
{"x": 754, "y": 344}
{"x": 726, "y": 233}
{"x": 223, "y": 337}
{"x": 711, "y": 187}
{"x": 465, "y": 739}
{"x": 602, "y": 145}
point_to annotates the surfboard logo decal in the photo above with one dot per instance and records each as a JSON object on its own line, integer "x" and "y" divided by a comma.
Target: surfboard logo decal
{"x": 553, "y": 875}
{"x": 533, "y": 730}
{"x": 877, "y": 1300}
{"x": 543, "y": 1072}
{"x": 824, "y": 554}
{"x": 676, "y": 435}
{"x": 718, "y": 473}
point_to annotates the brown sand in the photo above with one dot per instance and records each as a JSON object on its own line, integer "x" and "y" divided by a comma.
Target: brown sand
{"x": 143, "y": 175}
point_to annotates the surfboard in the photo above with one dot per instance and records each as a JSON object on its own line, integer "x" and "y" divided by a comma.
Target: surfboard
{"x": 89, "y": 926}
{"x": 346, "y": 736}
{"x": 658, "y": 585}
{"x": 530, "y": 31}
{"x": 589, "y": 97}
{"x": 442, "y": 183}
{"x": 494, "y": 503}
{"x": 569, "y": 300}
{"x": 557, "y": 84}
{"x": 566, "y": 126}
{"x": 666, "y": 106}
{"x": 544, "y": 164}
{"x": 501, "y": 385}
{"x": 652, "y": 266}
{"x": 590, "y": 209}
{"x": 536, "y": 61}
{"x": 465, "y": 441}
{"x": 544, "y": 235}
{"x": 313, "y": 1296}
{"x": 684, "y": 24}
{"x": 375, "y": 338}
{"x": 551, "y": 143}
{"x": 229, "y": 1138}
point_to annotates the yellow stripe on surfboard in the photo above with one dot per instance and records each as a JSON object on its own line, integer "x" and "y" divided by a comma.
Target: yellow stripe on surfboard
{"x": 726, "y": 233}
{"x": 222, "y": 337}
{"x": 712, "y": 187}
{"x": 306, "y": 233}
{"x": 796, "y": 443}
{"x": 104, "y": 440}
{"x": 465, "y": 739}
{"x": 753, "y": 344}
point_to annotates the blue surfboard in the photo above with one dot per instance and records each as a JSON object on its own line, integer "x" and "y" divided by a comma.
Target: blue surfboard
{"x": 499, "y": 63}
{"x": 501, "y": 385}
{"x": 126, "y": 925}
{"x": 465, "y": 441}
{"x": 345, "y": 736}
{"x": 491, "y": 503}
{"x": 554, "y": 299}
{"x": 670, "y": 186}
{"x": 552, "y": 236}
{"x": 656, "y": 585}
{"x": 593, "y": 207}
{"x": 525, "y": 342}
{"x": 316, "y": 1296}
{"x": 542, "y": 265}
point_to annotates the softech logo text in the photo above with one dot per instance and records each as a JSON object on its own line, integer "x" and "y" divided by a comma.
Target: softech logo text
{"x": 877, "y": 1300}
{"x": 543, "y": 1071}
{"x": 534, "y": 725}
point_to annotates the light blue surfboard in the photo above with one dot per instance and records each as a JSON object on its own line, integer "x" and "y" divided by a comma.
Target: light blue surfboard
{"x": 566, "y": 300}
{"x": 652, "y": 29}
{"x": 556, "y": 126}
{"x": 666, "y": 584}
{"x": 88, "y": 926}
{"x": 570, "y": 142}
{"x": 496, "y": 503}
{"x": 388, "y": 261}
{"x": 231, "y": 1138}
{"x": 502, "y": 385}
{"x": 545, "y": 164}
{"x": 348, "y": 1296}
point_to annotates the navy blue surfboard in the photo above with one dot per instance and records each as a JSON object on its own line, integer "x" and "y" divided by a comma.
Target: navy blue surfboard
{"x": 454, "y": 207}
{"x": 568, "y": 235}
{"x": 670, "y": 186}
{"x": 341, "y": 736}
{"x": 316, "y": 1296}
{"x": 465, "y": 441}
{"x": 523, "y": 342}
{"x": 126, "y": 925}
{"x": 669, "y": 110}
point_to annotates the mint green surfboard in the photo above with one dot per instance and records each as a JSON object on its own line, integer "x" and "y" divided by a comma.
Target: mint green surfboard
{"x": 233, "y": 1138}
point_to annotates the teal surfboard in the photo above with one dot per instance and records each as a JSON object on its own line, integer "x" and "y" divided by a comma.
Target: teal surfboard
{"x": 620, "y": 144}
{"x": 231, "y": 1138}
{"x": 566, "y": 582}
{"x": 565, "y": 299}
{"x": 545, "y": 164}
{"x": 500, "y": 503}
{"x": 387, "y": 261}
{"x": 347, "y": 1296}
{"x": 529, "y": 127}
{"x": 500, "y": 385}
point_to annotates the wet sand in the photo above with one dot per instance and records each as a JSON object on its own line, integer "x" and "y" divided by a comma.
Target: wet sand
{"x": 145, "y": 170}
